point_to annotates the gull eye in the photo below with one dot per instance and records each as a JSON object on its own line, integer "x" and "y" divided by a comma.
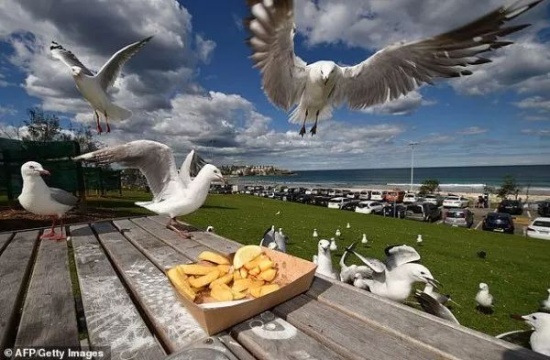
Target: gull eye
{"x": 423, "y": 273}
{"x": 534, "y": 318}
{"x": 32, "y": 167}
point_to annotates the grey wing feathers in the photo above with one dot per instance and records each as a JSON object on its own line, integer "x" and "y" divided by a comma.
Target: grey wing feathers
{"x": 67, "y": 57}
{"x": 268, "y": 238}
{"x": 272, "y": 32}
{"x": 153, "y": 159}
{"x": 63, "y": 197}
{"x": 111, "y": 69}
{"x": 191, "y": 166}
{"x": 432, "y": 306}
{"x": 398, "y": 69}
{"x": 399, "y": 255}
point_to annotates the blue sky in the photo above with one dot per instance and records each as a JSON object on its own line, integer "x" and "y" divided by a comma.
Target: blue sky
{"x": 193, "y": 85}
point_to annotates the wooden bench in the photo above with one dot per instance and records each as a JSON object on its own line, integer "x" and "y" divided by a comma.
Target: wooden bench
{"x": 120, "y": 298}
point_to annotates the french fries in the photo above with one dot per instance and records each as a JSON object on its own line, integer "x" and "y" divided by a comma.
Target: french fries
{"x": 216, "y": 278}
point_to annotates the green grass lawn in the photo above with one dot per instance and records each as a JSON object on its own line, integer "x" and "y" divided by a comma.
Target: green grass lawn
{"x": 516, "y": 268}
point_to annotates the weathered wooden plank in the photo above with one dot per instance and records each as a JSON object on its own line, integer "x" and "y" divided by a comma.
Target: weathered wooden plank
{"x": 15, "y": 265}
{"x": 4, "y": 240}
{"x": 162, "y": 255}
{"x": 235, "y": 347}
{"x": 349, "y": 336}
{"x": 49, "y": 315}
{"x": 152, "y": 289}
{"x": 268, "y": 337}
{"x": 111, "y": 317}
{"x": 453, "y": 340}
{"x": 209, "y": 348}
{"x": 188, "y": 247}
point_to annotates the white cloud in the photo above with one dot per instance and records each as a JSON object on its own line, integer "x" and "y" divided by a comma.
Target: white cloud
{"x": 536, "y": 103}
{"x": 543, "y": 133}
{"x": 403, "y": 105}
{"x": 473, "y": 130}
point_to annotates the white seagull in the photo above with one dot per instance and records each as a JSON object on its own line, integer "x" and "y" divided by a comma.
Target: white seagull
{"x": 484, "y": 299}
{"x": 93, "y": 87}
{"x": 540, "y": 338}
{"x": 393, "y": 278}
{"x": 545, "y": 305}
{"x": 394, "y": 71}
{"x": 347, "y": 273}
{"x": 36, "y": 197}
{"x": 333, "y": 246}
{"x": 364, "y": 240}
{"x": 338, "y": 233}
{"x": 171, "y": 195}
{"x": 419, "y": 239}
{"x": 324, "y": 260}
{"x": 315, "y": 234}
{"x": 210, "y": 228}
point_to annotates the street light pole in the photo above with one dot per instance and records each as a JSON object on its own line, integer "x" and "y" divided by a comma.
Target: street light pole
{"x": 412, "y": 144}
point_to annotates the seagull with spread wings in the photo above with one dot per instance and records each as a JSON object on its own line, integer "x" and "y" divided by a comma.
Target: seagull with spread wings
{"x": 396, "y": 70}
{"x": 93, "y": 87}
{"x": 173, "y": 194}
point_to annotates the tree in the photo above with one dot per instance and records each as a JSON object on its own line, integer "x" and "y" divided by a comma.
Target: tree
{"x": 429, "y": 186}
{"x": 508, "y": 187}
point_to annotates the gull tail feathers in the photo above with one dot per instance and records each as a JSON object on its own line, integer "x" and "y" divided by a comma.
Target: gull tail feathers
{"x": 115, "y": 112}
{"x": 299, "y": 113}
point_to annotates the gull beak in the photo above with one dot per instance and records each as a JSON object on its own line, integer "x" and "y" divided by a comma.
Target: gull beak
{"x": 44, "y": 172}
{"x": 434, "y": 283}
{"x": 222, "y": 179}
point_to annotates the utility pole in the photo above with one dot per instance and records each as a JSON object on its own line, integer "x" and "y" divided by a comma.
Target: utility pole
{"x": 412, "y": 144}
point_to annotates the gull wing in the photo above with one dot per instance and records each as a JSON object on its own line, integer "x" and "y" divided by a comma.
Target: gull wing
{"x": 268, "y": 238}
{"x": 190, "y": 167}
{"x": 376, "y": 265}
{"x": 281, "y": 241}
{"x": 434, "y": 307}
{"x": 67, "y": 57}
{"x": 398, "y": 255}
{"x": 400, "y": 68}
{"x": 63, "y": 197}
{"x": 154, "y": 160}
{"x": 272, "y": 42}
{"x": 111, "y": 69}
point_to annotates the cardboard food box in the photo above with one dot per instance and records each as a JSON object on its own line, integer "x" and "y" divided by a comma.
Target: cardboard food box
{"x": 294, "y": 276}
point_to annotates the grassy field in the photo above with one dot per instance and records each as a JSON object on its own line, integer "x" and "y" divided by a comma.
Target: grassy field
{"x": 516, "y": 268}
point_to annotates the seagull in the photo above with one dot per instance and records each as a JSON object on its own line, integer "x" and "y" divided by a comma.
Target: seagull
{"x": 419, "y": 240}
{"x": 315, "y": 259}
{"x": 315, "y": 234}
{"x": 324, "y": 260}
{"x": 210, "y": 228}
{"x": 482, "y": 254}
{"x": 540, "y": 338}
{"x": 545, "y": 305}
{"x": 484, "y": 299}
{"x": 338, "y": 233}
{"x": 393, "y": 278}
{"x": 348, "y": 226}
{"x": 364, "y": 240}
{"x": 171, "y": 196}
{"x": 333, "y": 246}
{"x": 347, "y": 273}
{"x": 36, "y": 197}
{"x": 434, "y": 307}
{"x": 274, "y": 239}
{"x": 278, "y": 212}
{"x": 314, "y": 89}
{"x": 93, "y": 87}
{"x": 440, "y": 298}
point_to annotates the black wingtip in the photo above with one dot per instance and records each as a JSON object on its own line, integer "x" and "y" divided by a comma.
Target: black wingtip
{"x": 55, "y": 45}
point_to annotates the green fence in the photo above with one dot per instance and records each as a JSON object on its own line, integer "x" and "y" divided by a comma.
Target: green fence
{"x": 54, "y": 157}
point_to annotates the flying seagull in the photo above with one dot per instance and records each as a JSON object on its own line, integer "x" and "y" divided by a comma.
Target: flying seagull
{"x": 171, "y": 195}
{"x": 396, "y": 70}
{"x": 37, "y": 198}
{"x": 94, "y": 86}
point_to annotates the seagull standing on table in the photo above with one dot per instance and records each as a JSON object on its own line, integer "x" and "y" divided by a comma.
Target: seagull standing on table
{"x": 393, "y": 278}
{"x": 324, "y": 260}
{"x": 540, "y": 338}
{"x": 172, "y": 195}
{"x": 394, "y": 71}
{"x": 94, "y": 87}
{"x": 37, "y": 198}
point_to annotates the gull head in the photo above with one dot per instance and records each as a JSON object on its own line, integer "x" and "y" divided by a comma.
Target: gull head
{"x": 76, "y": 70}
{"x": 32, "y": 168}
{"x": 421, "y": 273}
{"x": 483, "y": 287}
{"x": 327, "y": 69}
{"x": 536, "y": 320}
{"x": 323, "y": 245}
{"x": 212, "y": 173}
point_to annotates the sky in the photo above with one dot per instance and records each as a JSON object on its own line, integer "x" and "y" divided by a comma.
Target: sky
{"x": 193, "y": 85}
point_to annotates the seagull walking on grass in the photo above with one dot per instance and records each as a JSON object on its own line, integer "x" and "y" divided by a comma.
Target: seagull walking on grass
{"x": 484, "y": 299}
{"x": 315, "y": 234}
{"x": 393, "y": 278}
{"x": 93, "y": 87}
{"x": 364, "y": 240}
{"x": 36, "y": 197}
{"x": 172, "y": 195}
{"x": 545, "y": 305}
{"x": 314, "y": 89}
{"x": 324, "y": 260}
{"x": 333, "y": 246}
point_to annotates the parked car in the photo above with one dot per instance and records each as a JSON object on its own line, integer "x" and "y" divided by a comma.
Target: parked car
{"x": 364, "y": 195}
{"x": 539, "y": 228}
{"x": 459, "y": 217}
{"x": 544, "y": 208}
{"x": 378, "y": 195}
{"x": 410, "y": 198}
{"x": 392, "y": 210}
{"x": 435, "y": 199}
{"x": 499, "y": 222}
{"x": 423, "y": 212}
{"x": 455, "y": 202}
{"x": 368, "y": 207}
{"x": 512, "y": 207}
{"x": 337, "y": 202}
{"x": 395, "y": 196}
{"x": 350, "y": 205}
{"x": 320, "y": 200}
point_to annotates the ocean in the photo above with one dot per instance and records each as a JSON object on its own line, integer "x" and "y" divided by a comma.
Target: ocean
{"x": 536, "y": 178}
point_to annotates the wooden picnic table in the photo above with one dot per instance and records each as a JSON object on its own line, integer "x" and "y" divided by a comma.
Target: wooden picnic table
{"x": 124, "y": 302}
